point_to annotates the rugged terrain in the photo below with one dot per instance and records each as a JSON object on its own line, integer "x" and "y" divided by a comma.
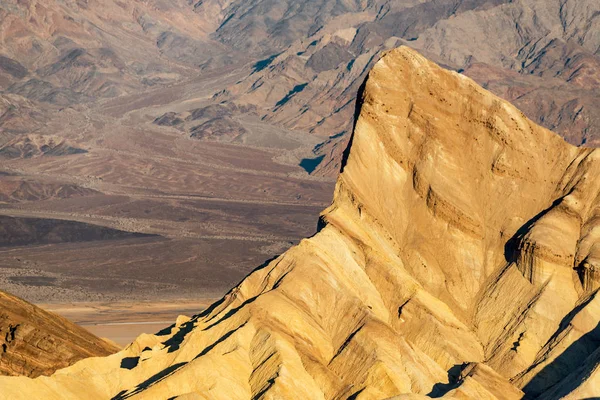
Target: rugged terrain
{"x": 458, "y": 259}
{"x": 82, "y": 84}
{"x": 541, "y": 55}
{"x": 34, "y": 342}
{"x": 196, "y": 124}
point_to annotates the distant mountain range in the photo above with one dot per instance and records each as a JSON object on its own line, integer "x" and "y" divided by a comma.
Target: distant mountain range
{"x": 300, "y": 62}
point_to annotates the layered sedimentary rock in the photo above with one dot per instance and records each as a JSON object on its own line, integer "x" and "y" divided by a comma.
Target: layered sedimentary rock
{"x": 459, "y": 258}
{"x": 34, "y": 342}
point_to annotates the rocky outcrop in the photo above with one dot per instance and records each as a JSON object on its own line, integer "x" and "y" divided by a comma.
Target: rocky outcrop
{"x": 34, "y": 342}
{"x": 218, "y": 128}
{"x": 448, "y": 265}
{"x": 28, "y": 146}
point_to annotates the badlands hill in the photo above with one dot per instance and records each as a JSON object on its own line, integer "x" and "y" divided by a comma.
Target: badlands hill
{"x": 34, "y": 342}
{"x": 458, "y": 259}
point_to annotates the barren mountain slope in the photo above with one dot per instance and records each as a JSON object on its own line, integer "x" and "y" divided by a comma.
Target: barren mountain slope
{"x": 458, "y": 258}
{"x": 81, "y": 82}
{"x": 34, "y": 342}
{"x": 543, "y": 55}
{"x": 57, "y": 54}
{"x": 305, "y": 59}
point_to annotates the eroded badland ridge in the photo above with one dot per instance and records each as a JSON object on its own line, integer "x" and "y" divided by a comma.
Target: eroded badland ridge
{"x": 34, "y": 342}
{"x": 458, "y": 259}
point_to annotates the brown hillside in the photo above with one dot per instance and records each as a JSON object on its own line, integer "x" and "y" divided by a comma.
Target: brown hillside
{"x": 34, "y": 342}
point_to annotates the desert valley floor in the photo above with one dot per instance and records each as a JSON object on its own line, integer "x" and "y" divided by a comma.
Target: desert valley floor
{"x": 189, "y": 203}
{"x": 146, "y": 213}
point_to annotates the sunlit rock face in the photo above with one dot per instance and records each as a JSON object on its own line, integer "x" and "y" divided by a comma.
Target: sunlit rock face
{"x": 34, "y": 342}
{"x": 459, "y": 258}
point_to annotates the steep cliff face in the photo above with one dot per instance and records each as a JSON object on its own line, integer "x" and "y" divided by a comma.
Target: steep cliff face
{"x": 34, "y": 342}
{"x": 459, "y": 258}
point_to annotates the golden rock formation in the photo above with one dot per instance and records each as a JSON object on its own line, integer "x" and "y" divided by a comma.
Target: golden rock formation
{"x": 459, "y": 258}
{"x": 34, "y": 342}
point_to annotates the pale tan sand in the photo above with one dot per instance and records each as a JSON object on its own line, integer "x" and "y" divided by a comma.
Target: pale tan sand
{"x": 125, "y": 332}
{"x": 122, "y": 322}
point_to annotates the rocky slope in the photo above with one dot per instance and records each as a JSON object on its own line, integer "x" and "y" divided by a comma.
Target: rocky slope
{"x": 56, "y": 54}
{"x": 37, "y": 145}
{"x": 458, "y": 259}
{"x": 34, "y": 342}
{"x": 541, "y": 55}
{"x": 63, "y": 51}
